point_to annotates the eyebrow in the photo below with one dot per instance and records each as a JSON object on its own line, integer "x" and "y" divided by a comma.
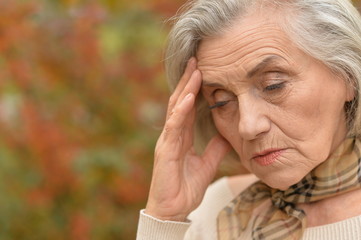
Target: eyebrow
{"x": 263, "y": 64}
{"x": 259, "y": 67}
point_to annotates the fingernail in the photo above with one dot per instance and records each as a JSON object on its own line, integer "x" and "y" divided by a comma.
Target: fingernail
{"x": 196, "y": 73}
{"x": 191, "y": 61}
{"x": 188, "y": 96}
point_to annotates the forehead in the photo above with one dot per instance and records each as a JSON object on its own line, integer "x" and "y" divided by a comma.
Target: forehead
{"x": 247, "y": 43}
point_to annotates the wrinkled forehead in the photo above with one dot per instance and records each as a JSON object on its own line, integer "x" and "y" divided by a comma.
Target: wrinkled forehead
{"x": 256, "y": 21}
{"x": 245, "y": 44}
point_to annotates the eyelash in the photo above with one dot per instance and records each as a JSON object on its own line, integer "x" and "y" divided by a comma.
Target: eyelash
{"x": 268, "y": 88}
{"x": 219, "y": 104}
{"x": 274, "y": 86}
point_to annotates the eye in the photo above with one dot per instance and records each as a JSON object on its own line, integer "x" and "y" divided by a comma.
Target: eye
{"x": 273, "y": 80}
{"x": 274, "y": 86}
{"x": 221, "y": 97}
{"x": 219, "y": 104}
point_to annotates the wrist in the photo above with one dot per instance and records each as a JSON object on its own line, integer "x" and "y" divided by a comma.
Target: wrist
{"x": 165, "y": 217}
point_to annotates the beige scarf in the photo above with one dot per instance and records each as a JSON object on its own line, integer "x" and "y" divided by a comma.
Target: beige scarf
{"x": 337, "y": 175}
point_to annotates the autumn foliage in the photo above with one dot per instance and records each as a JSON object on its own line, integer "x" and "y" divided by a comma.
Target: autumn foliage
{"x": 82, "y": 102}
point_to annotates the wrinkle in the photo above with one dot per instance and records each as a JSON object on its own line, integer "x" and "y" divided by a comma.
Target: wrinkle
{"x": 299, "y": 121}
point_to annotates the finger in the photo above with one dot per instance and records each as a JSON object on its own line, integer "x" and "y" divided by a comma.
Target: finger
{"x": 191, "y": 67}
{"x": 174, "y": 126}
{"x": 189, "y": 128}
{"x": 215, "y": 151}
{"x": 192, "y": 86}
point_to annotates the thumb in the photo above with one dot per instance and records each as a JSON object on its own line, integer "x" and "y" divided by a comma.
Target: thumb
{"x": 216, "y": 150}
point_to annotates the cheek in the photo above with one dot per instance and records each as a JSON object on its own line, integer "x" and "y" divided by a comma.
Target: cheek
{"x": 226, "y": 125}
{"x": 308, "y": 112}
{"x": 314, "y": 121}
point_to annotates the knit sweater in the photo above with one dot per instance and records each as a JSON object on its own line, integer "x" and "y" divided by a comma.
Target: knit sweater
{"x": 202, "y": 222}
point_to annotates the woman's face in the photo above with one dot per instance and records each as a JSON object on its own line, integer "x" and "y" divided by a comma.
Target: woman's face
{"x": 280, "y": 109}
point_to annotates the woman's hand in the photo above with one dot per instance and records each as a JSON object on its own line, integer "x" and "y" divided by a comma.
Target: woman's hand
{"x": 180, "y": 176}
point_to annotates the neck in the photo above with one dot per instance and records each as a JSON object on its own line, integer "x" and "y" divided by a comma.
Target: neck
{"x": 333, "y": 209}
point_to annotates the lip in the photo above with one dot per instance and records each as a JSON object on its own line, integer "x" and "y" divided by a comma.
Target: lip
{"x": 267, "y": 157}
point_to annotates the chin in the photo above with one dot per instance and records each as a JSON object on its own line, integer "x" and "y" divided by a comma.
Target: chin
{"x": 282, "y": 187}
{"x": 281, "y": 182}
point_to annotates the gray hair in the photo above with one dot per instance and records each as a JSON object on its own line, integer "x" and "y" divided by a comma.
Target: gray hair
{"x": 328, "y": 30}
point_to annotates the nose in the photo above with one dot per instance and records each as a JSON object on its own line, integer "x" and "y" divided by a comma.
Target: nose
{"x": 253, "y": 117}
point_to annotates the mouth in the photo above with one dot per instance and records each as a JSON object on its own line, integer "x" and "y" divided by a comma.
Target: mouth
{"x": 267, "y": 157}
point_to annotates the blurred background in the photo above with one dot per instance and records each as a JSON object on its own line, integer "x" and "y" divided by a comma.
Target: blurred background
{"x": 83, "y": 98}
{"x": 82, "y": 103}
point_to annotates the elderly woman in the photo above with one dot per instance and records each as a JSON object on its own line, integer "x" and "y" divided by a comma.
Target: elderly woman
{"x": 277, "y": 82}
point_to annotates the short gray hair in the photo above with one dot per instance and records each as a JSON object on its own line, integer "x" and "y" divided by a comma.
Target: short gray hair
{"x": 328, "y": 30}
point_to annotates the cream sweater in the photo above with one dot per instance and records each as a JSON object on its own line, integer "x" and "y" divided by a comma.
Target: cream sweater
{"x": 202, "y": 222}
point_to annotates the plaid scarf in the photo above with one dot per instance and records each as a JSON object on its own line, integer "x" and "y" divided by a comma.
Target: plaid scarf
{"x": 340, "y": 173}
